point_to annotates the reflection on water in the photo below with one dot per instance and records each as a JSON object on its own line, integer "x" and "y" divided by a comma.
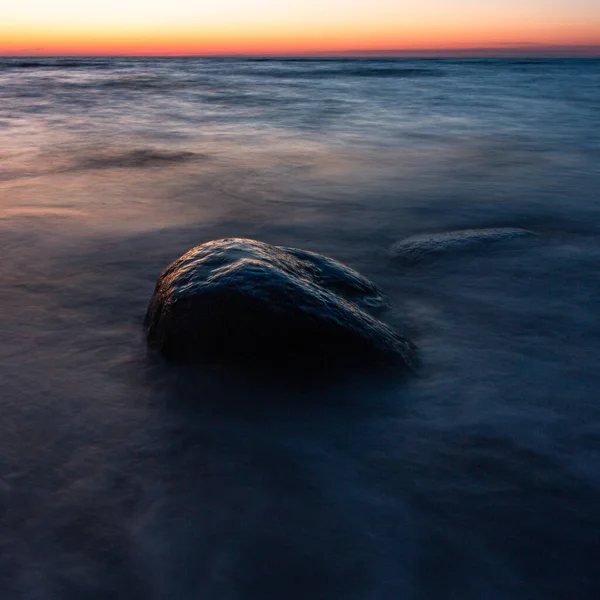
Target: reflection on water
{"x": 123, "y": 478}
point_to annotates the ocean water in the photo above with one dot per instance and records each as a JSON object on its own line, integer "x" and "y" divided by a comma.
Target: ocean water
{"x": 124, "y": 477}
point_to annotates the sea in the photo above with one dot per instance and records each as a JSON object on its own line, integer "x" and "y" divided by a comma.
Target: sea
{"x": 125, "y": 477}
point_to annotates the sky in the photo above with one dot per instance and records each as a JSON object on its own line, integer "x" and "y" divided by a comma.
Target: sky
{"x": 180, "y": 27}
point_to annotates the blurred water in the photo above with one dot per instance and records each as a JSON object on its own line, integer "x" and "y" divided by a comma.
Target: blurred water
{"x": 122, "y": 478}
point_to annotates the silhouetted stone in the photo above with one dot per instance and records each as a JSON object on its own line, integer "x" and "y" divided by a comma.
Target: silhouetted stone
{"x": 418, "y": 248}
{"x": 243, "y": 300}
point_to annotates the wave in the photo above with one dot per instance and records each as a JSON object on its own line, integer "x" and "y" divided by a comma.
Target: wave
{"x": 138, "y": 82}
{"x": 136, "y": 159}
{"x": 54, "y": 64}
{"x": 139, "y": 158}
{"x": 359, "y": 71}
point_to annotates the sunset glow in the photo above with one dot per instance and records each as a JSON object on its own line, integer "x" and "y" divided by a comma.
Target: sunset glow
{"x": 161, "y": 27}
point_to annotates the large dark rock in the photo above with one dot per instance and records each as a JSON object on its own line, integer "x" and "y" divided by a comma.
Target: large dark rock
{"x": 238, "y": 300}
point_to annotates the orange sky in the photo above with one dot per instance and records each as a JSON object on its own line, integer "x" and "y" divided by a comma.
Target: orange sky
{"x": 286, "y": 26}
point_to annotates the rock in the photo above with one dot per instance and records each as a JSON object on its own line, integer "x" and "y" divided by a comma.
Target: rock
{"x": 239, "y": 300}
{"x": 418, "y": 248}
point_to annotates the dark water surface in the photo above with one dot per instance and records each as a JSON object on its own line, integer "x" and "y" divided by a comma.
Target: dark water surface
{"x": 122, "y": 478}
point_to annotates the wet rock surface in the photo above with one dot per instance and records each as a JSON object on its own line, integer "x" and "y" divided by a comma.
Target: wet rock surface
{"x": 242, "y": 300}
{"x": 429, "y": 246}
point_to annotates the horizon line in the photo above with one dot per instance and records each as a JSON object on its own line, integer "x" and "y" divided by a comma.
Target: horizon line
{"x": 522, "y": 50}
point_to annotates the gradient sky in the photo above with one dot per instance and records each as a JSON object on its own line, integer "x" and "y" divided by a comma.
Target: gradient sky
{"x": 289, "y": 26}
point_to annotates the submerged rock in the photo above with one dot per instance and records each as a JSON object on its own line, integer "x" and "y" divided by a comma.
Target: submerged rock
{"x": 246, "y": 301}
{"x": 418, "y": 248}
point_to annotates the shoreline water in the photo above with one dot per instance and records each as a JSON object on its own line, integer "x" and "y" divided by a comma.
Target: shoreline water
{"x": 122, "y": 478}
